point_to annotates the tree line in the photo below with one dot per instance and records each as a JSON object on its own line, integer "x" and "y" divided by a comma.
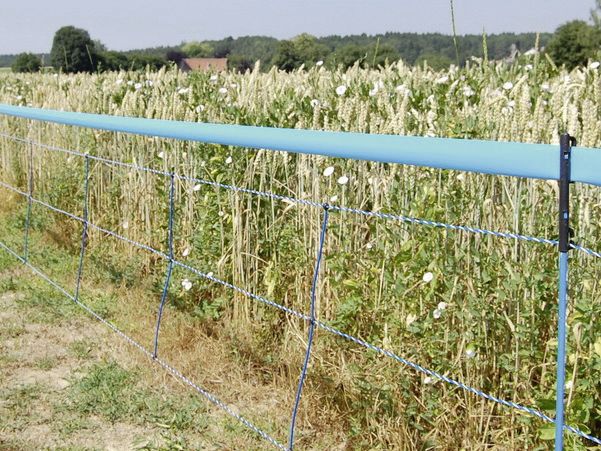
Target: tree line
{"x": 73, "y": 50}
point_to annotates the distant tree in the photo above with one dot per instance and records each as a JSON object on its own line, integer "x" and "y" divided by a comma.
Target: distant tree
{"x": 223, "y": 48}
{"x": 241, "y": 63}
{"x": 175, "y": 56}
{"x": 381, "y": 54}
{"x": 574, "y": 43}
{"x": 142, "y": 62}
{"x": 347, "y": 55}
{"x": 596, "y": 14}
{"x": 27, "y": 62}
{"x": 73, "y": 50}
{"x": 195, "y": 49}
{"x": 303, "y": 49}
{"x": 113, "y": 61}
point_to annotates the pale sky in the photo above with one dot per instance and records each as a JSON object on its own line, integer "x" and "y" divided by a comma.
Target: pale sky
{"x": 29, "y": 25}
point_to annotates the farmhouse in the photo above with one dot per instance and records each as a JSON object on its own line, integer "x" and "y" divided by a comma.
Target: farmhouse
{"x": 203, "y": 64}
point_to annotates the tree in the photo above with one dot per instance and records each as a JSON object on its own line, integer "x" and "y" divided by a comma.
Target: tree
{"x": 73, "y": 50}
{"x": 27, "y": 62}
{"x": 111, "y": 60}
{"x": 195, "y": 49}
{"x": 574, "y": 43}
{"x": 303, "y": 49}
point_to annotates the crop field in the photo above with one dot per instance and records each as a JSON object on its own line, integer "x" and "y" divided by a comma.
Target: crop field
{"x": 478, "y": 310}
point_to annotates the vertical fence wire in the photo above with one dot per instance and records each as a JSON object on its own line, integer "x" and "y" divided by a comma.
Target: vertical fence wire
{"x": 84, "y": 233}
{"x": 169, "y": 266}
{"x": 301, "y": 381}
{"x": 29, "y": 203}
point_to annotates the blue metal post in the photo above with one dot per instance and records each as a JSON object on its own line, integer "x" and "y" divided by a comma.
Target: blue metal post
{"x": 564, "y": 247}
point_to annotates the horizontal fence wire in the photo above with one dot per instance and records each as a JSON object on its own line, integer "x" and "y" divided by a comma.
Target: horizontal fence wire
{"x": 310, "y": 203}
{"x": 292, "y": 312}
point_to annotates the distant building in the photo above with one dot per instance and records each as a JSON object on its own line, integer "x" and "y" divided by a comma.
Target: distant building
{"x": 203, "y": 64}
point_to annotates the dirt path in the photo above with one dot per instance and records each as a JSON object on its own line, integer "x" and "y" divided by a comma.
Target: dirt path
{"x": 61, "y": 389}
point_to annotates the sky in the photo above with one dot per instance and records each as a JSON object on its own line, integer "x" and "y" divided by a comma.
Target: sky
{"x": 29, "y": 25}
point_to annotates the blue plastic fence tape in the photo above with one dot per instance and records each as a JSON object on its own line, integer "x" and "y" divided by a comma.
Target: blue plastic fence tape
{"x": 489, "y": 157}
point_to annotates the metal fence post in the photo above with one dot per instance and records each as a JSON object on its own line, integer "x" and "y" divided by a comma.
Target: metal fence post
{"x": 564, "y": 246}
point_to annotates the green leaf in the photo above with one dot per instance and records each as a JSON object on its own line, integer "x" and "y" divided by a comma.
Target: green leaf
{"x": 547, "y": 432}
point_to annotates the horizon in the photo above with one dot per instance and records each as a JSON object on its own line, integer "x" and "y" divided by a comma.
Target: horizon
{"x": 134, "y": 24}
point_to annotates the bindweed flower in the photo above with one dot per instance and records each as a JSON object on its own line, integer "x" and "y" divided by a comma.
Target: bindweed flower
{"x": 508, "y": 86}
{"x": 442, "y": 305}
{"x": 428, "y": 277}
{"x": 595, "y": 65}
{"x": 340, "y": 90}
{"x": 411, "y": 318}
{"x": 442, "y": 80}
{"x": 210, "y": 274}
{"x": 200, "y": 108}
{"x": 314, "y": 103}
{"x": 125, "y": 225}
{"x": 186, "y": 252}
{"x": 437, "y": 313}
{"x": 119, "y": 81}
{"x": 334, "y": 198}
{"x": 428, "y": 380}
{"x": 196, "y": 187}
{"x": 221, "y": 214}
{"x": 369, "y": 246}
{"x": 229, "y": 160}
{"x": 222, "y": 90}
{"x": 468, "y": 92}
{"x": 343, "y": 180}
{"x": 545, "y": 87}
{"x": 149, "y": 83}
{"x": 138, "y": 86}
{"x": 186, "y": 284}
{"x": 161, "y": 155}
{"x": 470, "y": 352}
{"x": 213, "y": 78}
{"x": 319, "y": 63}
{"x": 328, "y": 171}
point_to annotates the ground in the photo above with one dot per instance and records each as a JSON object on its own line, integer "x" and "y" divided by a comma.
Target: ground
{"x": 67, "y": 382}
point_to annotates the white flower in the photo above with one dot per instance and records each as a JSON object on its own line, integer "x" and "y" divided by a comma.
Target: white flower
{"x": 319, "y": 63}
{"x": 233, "y": 85}
{"x": 210, "y": 274}
{"x": 369, "y": 245}
{"x": 410, "y": 319}
{"x": 161, "y": 155}
{"x": 428, "y": 277}
{"x": 545, "y": 87}
{"x": 374, "y": 91}
{"x": 119, "y": 81}
{"x": 186, "y": 284}
{"x": 125, "y": 225}
{"x": 200, "y": 108}
{"x": 461, "y": 177}
{"x": 221, "y": 214}
{"x": 222, "y": 90}
{"x": 314, "y": 103}
{"x": 442, "y": 305}
{"x": 428, "y": 380}
{"x": 595, "y": 65}
{"x": 340, "y": 90}
{"x": 130, "y": 82}
{"x": 569, "y": 385}
{"x": 334, "y": 198}
{"x": 213, "y": 78}
{"x": 442, "y": 80}
{"x": 511, "y": 103}
{"x": 343, "y": 180}
{"x": 183, "y": 91}
{"x": 186, "y": 252}
{"x": 328, "y": 171}
{"x": 228, "y": 160}
{"x": 19, "y": 97}
{"x": 138, "y": 86}
{"x": 508, "y": 86}
{"x": 470, "y": 352}
{"x": 468, "y": 91}
{"x": 55, "y": 75}
{"x": 149, "y": 83}
{"x": 528, "y": 67}
{"x": 196, "y": 187}
{"x": 437, "y": 313}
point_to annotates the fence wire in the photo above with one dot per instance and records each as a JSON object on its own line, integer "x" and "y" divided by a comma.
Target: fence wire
{"x": 311, "y": 319}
